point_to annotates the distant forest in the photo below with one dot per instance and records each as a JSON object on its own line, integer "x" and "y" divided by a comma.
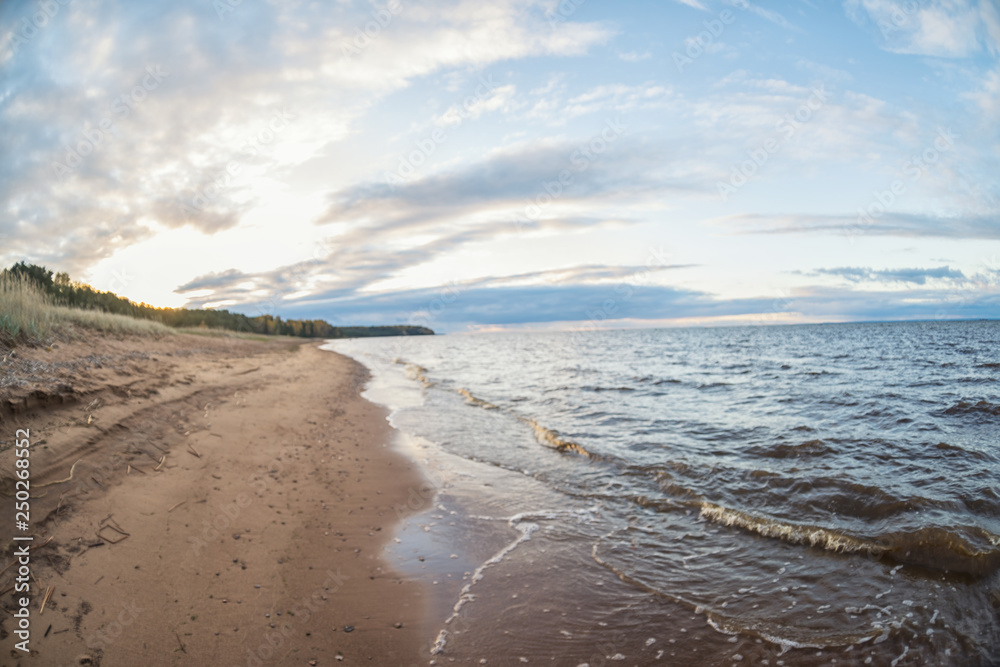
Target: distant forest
{"x": 65, "y": 292}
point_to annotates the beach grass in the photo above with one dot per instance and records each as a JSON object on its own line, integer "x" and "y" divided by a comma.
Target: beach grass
{"x": 27, "y": 315}
{"x": 217, "y": 332}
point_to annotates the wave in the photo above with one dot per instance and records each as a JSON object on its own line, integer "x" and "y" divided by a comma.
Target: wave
{"x": 969, "y": 408}
{"x": 475, "y": 400}
{"x": 545, "y": 436}
{"x": 786, "y": 451}
{"x": 991, "y": 365}
{"x": 966, "y": 550}
{"x": 551, "y": 438}
{"x": 652, "y": 379}
{"x": 598, "y": 389}
{"x": 789, "y": 532}
{"x": 785, "y": 636}
{"x": 947, "y": 449}
{"x": 414, "y": 371}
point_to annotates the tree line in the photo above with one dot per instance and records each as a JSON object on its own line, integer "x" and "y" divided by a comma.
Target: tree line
{"x": 66, "y": 292}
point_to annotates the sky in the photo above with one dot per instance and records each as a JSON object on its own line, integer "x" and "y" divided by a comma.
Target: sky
{"x": 513, "y": 164}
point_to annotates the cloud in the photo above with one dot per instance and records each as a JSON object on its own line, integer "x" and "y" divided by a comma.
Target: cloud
{"x": 635, "y": 56}
{"x": 889, "y": 224}
{"x": 693, "y": 4}
{"x": 97, "y": 151}
{"x": 606, "y": 167}
{"x": 524, "y": 304}
{"x": 766, "y": 14}
{"x": 459, "y": 306}
{"x": 912, "y": 276}
{"x": 943, "y": 28}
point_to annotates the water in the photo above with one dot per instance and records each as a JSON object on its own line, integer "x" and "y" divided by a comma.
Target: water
{"x": 798, "y": 495}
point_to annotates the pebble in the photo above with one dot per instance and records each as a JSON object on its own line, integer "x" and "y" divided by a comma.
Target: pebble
{"x": 397, "y": 625}
{"x": 348, "y": 628}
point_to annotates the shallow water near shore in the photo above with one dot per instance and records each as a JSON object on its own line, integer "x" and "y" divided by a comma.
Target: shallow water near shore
{"x": 804, "y": 495}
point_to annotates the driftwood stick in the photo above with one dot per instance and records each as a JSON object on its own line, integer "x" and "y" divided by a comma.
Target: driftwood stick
{"x": 48, "y": 594}
{"x": 60, "y": 481}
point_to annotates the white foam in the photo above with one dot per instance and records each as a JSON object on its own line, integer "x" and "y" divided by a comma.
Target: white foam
{"x": 813, "y": 536}
{"x": 439, "y": 643}
{"x": 518, "y": 522}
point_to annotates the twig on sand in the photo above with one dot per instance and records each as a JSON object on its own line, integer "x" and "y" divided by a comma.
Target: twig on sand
{"x": 108, "y": 522}
{"x": 193, "y": 450}
{"x": 48, "y": 594}
{"x": 163, "y": 460}
{"x": 176, "y": 506}
{"x": 137, "y": 469}
{"x": 179, "y": 642}
{"x": 45, "y": 543}
{"x": 109, "y": 540}
{"x": 60, "y": 481}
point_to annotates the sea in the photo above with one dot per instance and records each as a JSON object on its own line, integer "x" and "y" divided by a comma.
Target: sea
{"x": 752, "y": 495}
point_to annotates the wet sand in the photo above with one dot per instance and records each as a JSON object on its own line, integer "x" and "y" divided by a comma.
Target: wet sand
{"x": 205, "y": 501}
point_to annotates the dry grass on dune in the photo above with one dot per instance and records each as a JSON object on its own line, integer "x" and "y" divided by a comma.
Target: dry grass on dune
{"x": 28, "y": 315}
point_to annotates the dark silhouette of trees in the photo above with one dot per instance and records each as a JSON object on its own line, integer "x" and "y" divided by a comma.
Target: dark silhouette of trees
{"x": 65, "y": 292}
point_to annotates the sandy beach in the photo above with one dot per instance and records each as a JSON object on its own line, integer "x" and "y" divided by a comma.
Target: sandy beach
{"x": 200, "y": 500}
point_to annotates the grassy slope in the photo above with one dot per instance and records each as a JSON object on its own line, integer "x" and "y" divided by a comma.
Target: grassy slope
{"x": 27, "y": 315}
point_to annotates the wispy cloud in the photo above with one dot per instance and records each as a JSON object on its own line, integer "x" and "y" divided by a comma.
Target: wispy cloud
{"x": 891, "y": 224}
{"x": 913, "y": 276}
{"x": 944, "y": 28}
{"x": 226, "y": 79}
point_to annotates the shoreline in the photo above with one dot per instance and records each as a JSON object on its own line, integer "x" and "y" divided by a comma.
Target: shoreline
{"x": 208, "y": 501}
